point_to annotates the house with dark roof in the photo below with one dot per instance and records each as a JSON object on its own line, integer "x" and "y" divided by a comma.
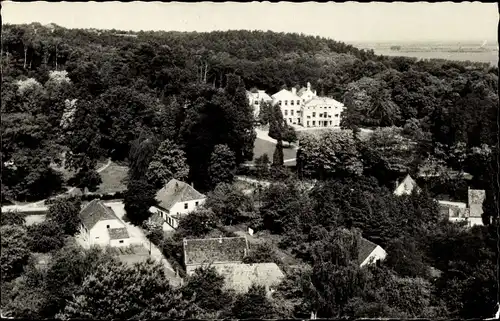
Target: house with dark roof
{"x": 101, "y": 226}
{"x": 470, "y": 212}
{"x": 369, "y": 252}
{"x": 406, "y": 186}
{"x": 225, "y": 255}
{"x": 175, "y": 200}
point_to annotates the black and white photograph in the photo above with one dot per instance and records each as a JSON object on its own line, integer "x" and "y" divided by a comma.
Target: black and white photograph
{"x": 253, "y": 160}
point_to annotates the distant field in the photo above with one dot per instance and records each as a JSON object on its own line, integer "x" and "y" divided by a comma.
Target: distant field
{"x": 113, "y": 179}
{"x": 262, "y": 147}
{"x": 488, "y": 56}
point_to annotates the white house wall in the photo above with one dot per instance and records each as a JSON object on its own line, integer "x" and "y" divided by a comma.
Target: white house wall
{"x": 377, "y": 254}
{"x": 119, "y": 242}
{"x": 177, "y": 209}
{"x": 99, "y": 233}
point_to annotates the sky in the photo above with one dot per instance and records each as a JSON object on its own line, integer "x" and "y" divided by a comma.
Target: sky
{"x": 349, "y": 22}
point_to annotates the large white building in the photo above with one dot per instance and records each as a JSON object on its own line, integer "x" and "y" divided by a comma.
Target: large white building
{"x": 304, "y": 108}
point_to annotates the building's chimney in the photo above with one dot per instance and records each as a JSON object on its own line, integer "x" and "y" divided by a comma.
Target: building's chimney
{"x": 315, "y": 93}
{"x": 294, "y": 90}
{"x": 309, "y": 85}
{"x": 397, "y": 183}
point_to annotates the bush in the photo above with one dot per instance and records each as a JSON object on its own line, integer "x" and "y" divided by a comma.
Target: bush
{"x": 45, "y": 237}
{"x": 11, "y": 218}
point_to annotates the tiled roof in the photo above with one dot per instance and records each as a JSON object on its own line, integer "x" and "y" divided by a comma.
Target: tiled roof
{"x": 215, "y": 250}
{"x": 176, "y": 191}
{"x": 118, "y": 233}
{"x": 94, "y": 212}
{"x": 323, "y": 100}
{"x": 240, "y": 277}
{"x": 285, "y": 94}
{"x": 260, "y": 94}
{"x": 365, "y": 249}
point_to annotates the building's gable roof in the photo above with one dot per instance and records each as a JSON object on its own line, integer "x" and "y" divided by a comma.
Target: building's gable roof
{"x": 284, "y": 94}
{"x": 118, "y": 233}
{"x": 240, "y": 277}
{"x": 260, "y": 95}
{"x": 215, "y": 250}
{"x": 94, "y": 212}
{"x": 365, "y": 249}
{"x": 176, "y": 191}
{"x": 407, "y": 185}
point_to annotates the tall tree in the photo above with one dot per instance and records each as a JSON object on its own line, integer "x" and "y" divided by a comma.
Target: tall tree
{"x": 15, "y": 253}
{"x": 222, "y": 165}
{"x": 64, "y": 212}
{"x": 117, "y": 291}
{"x": 278, "y": 154}
{"x": 140, "y": 155}
{"x": 167, "y": 163}
{"x": 138, "y": 198}
{"x": 230, "y": 204}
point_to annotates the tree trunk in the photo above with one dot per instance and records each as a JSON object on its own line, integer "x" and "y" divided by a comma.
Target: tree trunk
{"x": 206, "y": 71}
{"x": 56, "y": 56}
{"x": 25, "y": 54}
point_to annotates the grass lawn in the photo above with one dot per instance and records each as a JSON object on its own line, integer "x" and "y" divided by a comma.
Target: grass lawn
{"x": 34, "y": 219}
{"x": 131, "y": 255}
{"x": 262, "y": 147}
{"x": 113, "y": 179}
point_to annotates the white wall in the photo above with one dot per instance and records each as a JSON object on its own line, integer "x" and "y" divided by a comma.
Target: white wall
{"x": 377, "y": 254}
{"x": 177, "y": 209}
{"x": 99, "y": 233}
{"x": 116, "y": 243}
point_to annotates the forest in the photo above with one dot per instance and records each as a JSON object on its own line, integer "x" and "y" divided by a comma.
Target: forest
{"x": 173, "y": 105}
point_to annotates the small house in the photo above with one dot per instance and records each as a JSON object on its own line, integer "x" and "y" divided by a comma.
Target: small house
{"x": 101, "y": 226}
{"x": 175, "y": 200}
{"x": 225, "y": 255}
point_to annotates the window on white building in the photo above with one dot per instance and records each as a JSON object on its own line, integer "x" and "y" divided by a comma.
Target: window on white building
{"x": 307, "y": 123}
{"x": 291, "y": 112}
{"x": 290, "y": 120}
{"x": 279, "y": 102}
{"x": 336, "y": 115}
{"x": 314, "y": 123}
{"x": 107, "y": 226}
{"x": 308, "y": 117}
{"x": 291, "y": 102}
{"x": 121, "y": 241}
{"x": 286, "y": 112}
{"x": 298, "y": 102}
{"x": 185, "y": 206}
{"x": 256, "y": 102}
{"x": 196, "y": 203}
{"x": 314, "y": 114}
{"x": 286, "y": 102}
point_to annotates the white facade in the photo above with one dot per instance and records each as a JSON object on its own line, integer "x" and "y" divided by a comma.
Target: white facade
{"x": 321, "y": 112}
{"x": 178, "y": 210}
{"x": 98, "y": 235}
{"x": 291, "y": 105}
{"x": 257, "y": 99}
{"x": 305, "y": 108}
{"x": 378, "y": 254}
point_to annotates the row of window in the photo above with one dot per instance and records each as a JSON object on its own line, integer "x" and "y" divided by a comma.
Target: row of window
{"x": 323, "y": 115}
{"x": 292, "y": 102}
{"x": 321, "y": 122}
{"x": 186, "y": 205}
{"x": 291, "y": 112}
